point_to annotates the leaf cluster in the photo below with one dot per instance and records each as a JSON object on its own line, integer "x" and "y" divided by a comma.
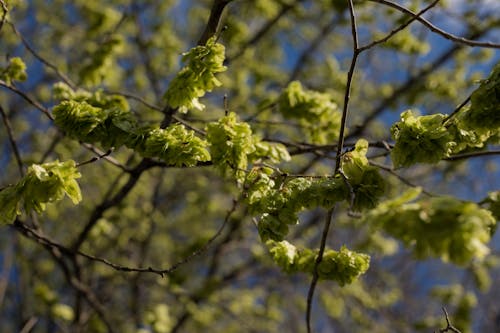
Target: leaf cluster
{"x": 233, "y": 146}
{"x": 342, "y": 266}
{"x": 430, "y": 138}
{"x": 106, "y": 119}
{"x": 14, "y": 71}
{"x": 422, "y": 139}
{"x": 197, "y": 77}
{"x": 366, "y": 182}
{"x": 445, "y": 227}
{"x": 42, "y": 184}
{"x": 280, "y": 201}
{"x": 316, "y": 112}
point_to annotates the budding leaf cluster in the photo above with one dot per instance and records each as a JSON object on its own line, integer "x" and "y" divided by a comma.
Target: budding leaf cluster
{"x": 96, "y": 98}
{"x": 42, "y": 184}
{"x": 428, "y": 139}
{"x": 197, "y": 77}
{"x": 445, "y": 227}
{"x": 279, "y": 201}
{"x": 175, "y": 145}
{"x": 97, "y": 118}
{"x": 316, "y": 112}
{"x": 233, "y": 146}
{"x": 421, "y": 139}
{"x": 14, "y": 71}
{"x": 342, "y": 266}
{"x": 366, "y": 182}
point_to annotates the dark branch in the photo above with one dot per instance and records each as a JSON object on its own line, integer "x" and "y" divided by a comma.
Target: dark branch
{"x": 435, "y": 29}
{"x": 12, "y": 141}
{"x": 340, "y": 147}
{"x": 449, "y": 326}
{"x": 214, "y": 21}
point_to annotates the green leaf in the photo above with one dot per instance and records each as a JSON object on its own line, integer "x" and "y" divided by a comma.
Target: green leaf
{"x": 15, "y": 71}
{"x": 63, "y": 311}
{"x": 79, "y": 119}
{"x": 231, "y": 143}
{"x": 176, "y": 146}
{"x": 316, "y": 112}
{"x": 197, "y": 77}
{"x": 285, "y": 255}
{"x": 50, "y": 182}
{"x": 422, "y": 139}
{"x": 445, "y": 227}
{"x": 344, "y": 266}
{"x": 42, "y": 184}
{"x": 367, "y": 183}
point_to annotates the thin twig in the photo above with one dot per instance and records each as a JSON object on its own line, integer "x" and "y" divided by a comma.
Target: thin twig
{"x": 29, "y": 325}
{"x": 398, "y": 29}
{"x": 13, "y": 143}
{"x": 347, "y": 96}
{"x": 473, "y": 154}
{"x": 27, "y": 98}
{"x": 27, "y": 45}
{"x": 264, "y": 30}
{"x": 352, "y": 195}
{"x": 215, "y": 20}
{"x": 105, "y": 155}
{"x": 457, "y": 109}
{"x": 319, "y": 258}
{"x": 162, "y": 272}
{"x": 449, "y": 326}
{"x": 340, "y": 147}
{"x": 410, "y": 83}
{"x": 95, "y": 158}
{"x": 398, "y": 176}
{"x": 56, "y": 251}
{"x": 134, "y": 97}
{"x": 437, "y": 30}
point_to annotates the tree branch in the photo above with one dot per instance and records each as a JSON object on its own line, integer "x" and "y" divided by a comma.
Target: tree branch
{"x": 27, "y": 98}
{"x": 449, "y": 326}
{"x": 409, "y": 84}
{"x": 55, "y": 251}
{"x": 340, "y": 147}
{"x": 12, "y": 141}
{"x": 400, "y": 28}
{"x": 44, "y": 61}
{"x": 435, "y": 29}
{"x": 264, "y": 30}
{"x": 214, "y": 21}
{"x": 33, "y": 234}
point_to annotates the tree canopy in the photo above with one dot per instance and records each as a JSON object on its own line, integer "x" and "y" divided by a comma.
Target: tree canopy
{"x": 249, "y": 166}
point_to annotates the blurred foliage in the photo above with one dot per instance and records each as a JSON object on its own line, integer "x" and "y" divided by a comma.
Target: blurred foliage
{"x": 224, "y": 153}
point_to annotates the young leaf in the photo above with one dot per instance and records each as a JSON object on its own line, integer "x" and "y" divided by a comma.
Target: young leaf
{"x": 422, "y": 139}
{"x": 197, "y": 77}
